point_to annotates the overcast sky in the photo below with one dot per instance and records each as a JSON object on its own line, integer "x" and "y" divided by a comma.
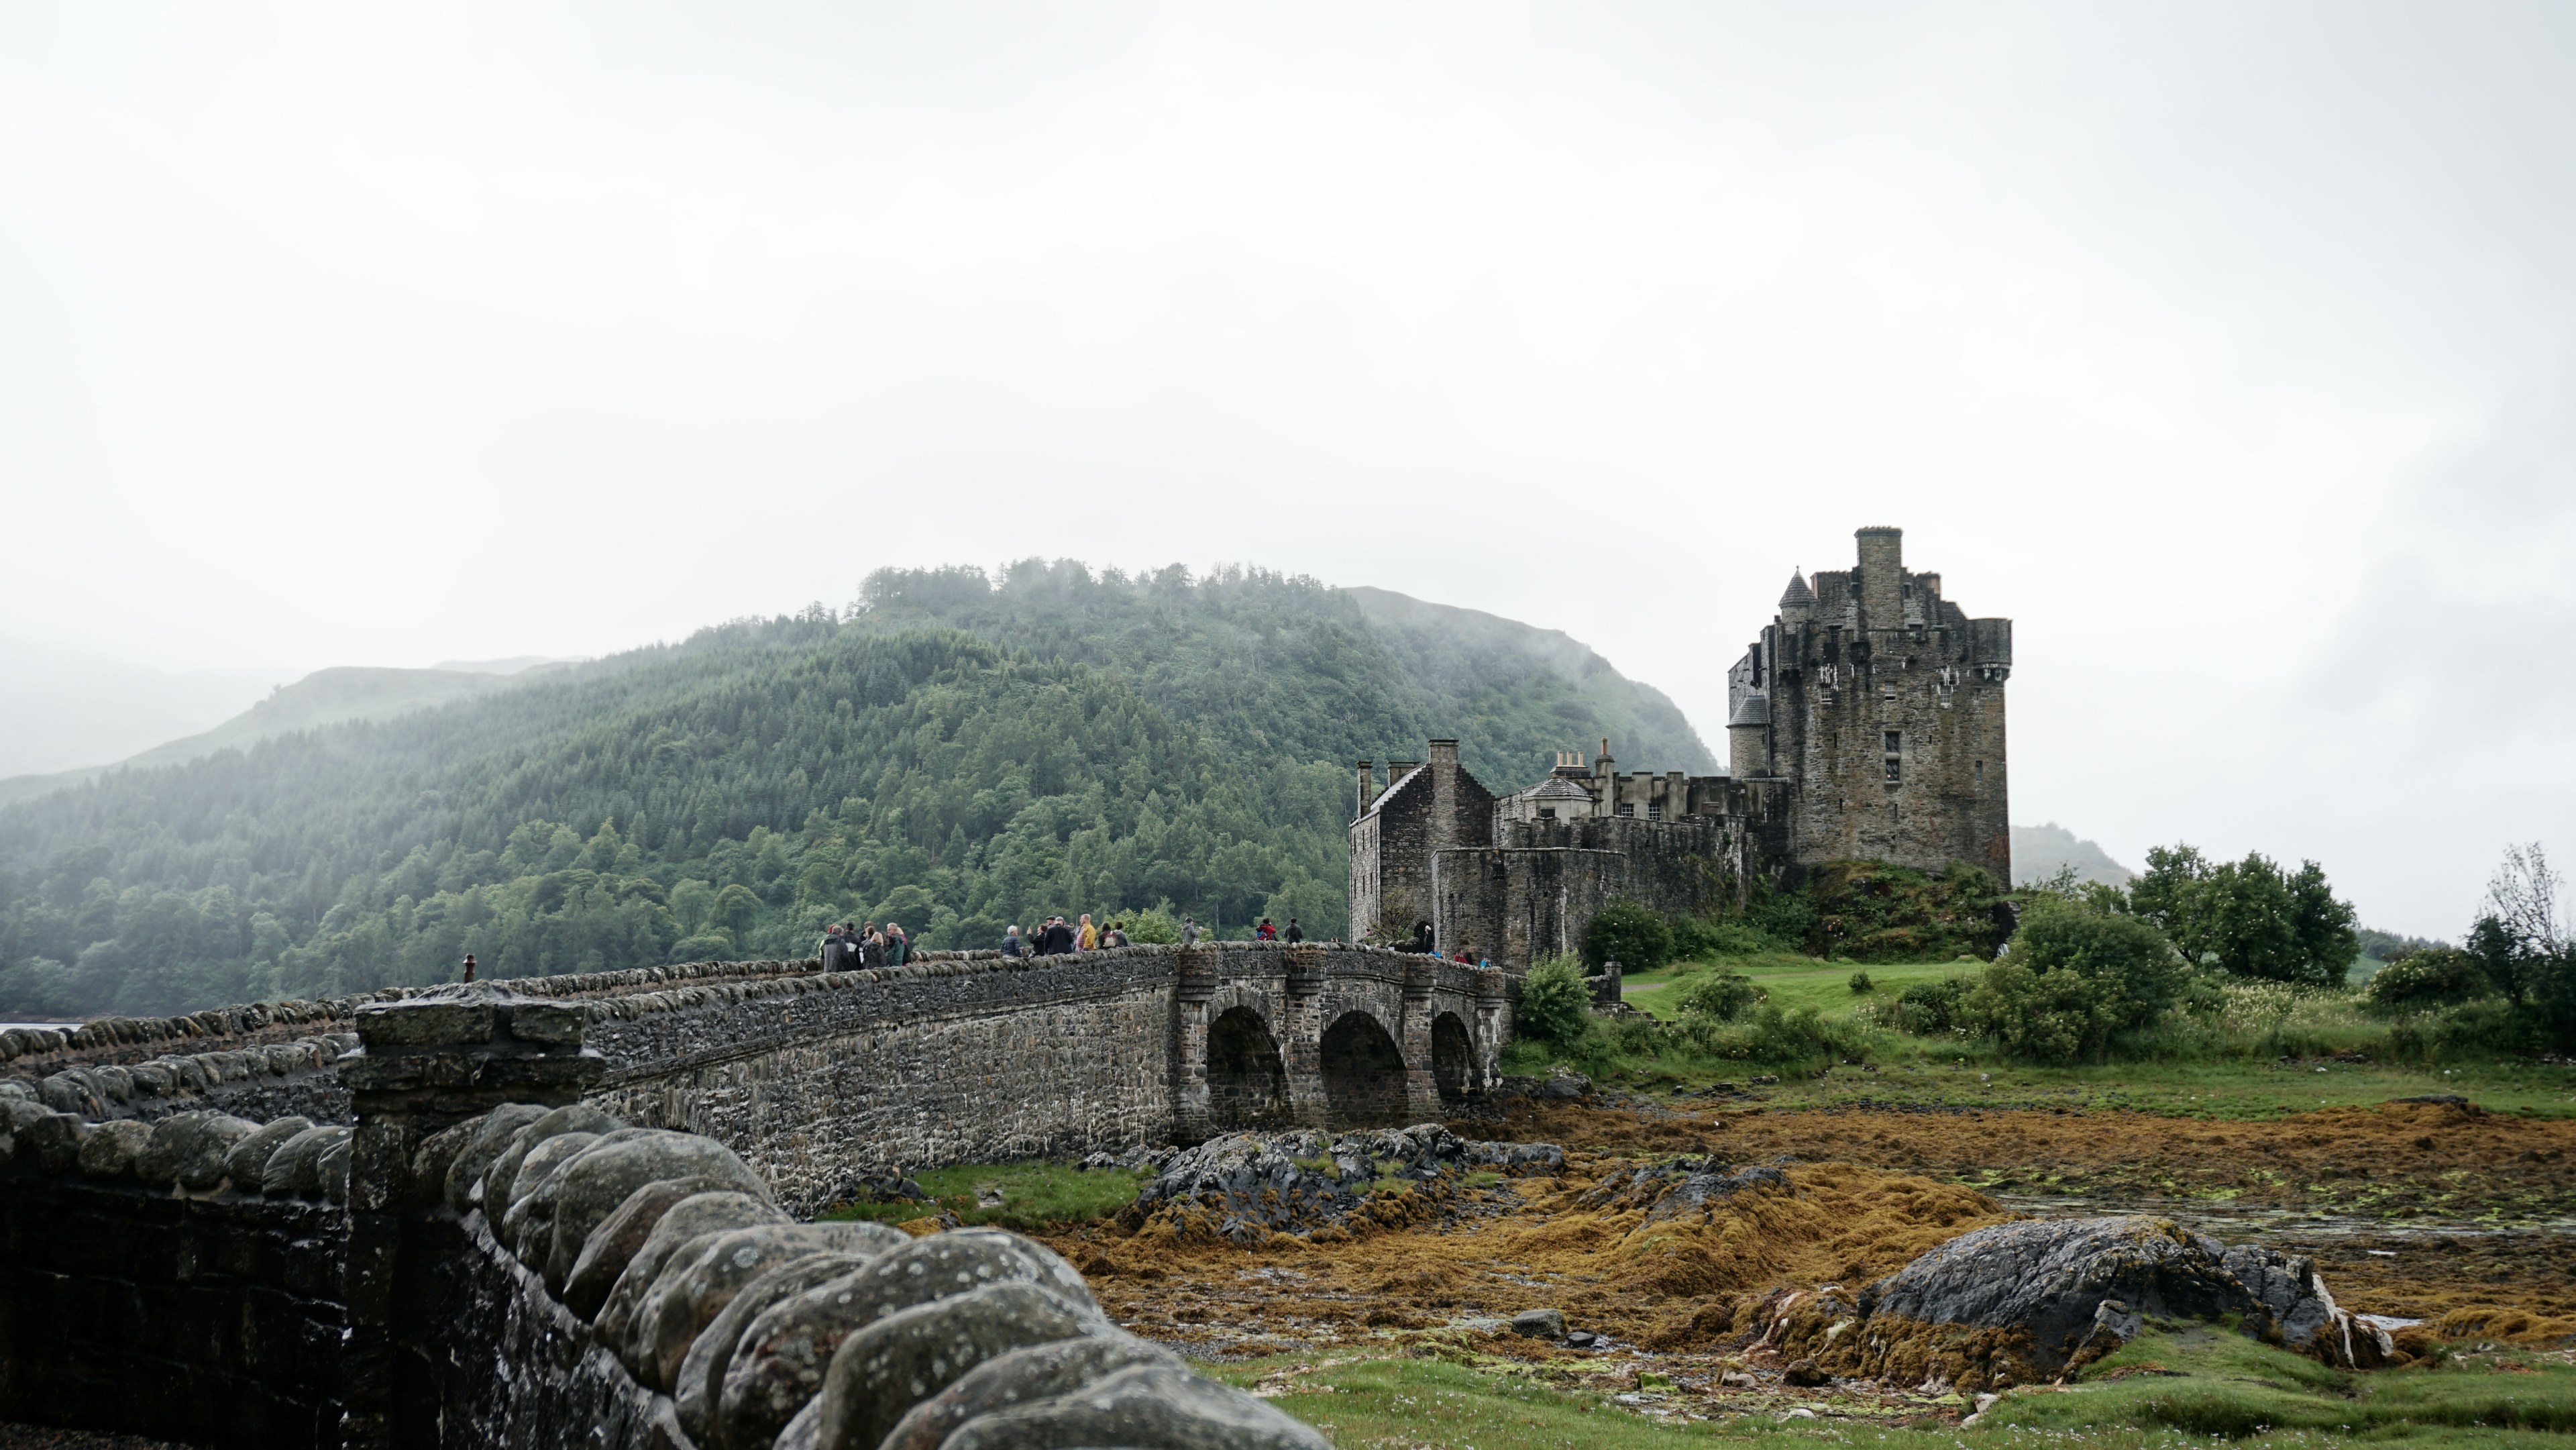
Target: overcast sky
{"x": 2226, "y": 348}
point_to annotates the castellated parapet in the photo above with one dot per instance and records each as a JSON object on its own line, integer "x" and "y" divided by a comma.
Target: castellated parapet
{"x": 1866, "y": 722}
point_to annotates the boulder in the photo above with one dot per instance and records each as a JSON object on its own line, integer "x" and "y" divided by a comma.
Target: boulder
{"x": 692, "y": 1291}
{"x": 805, "y": 1432}
{"x": 2304, "y": 1315}
{"x": 295, "y": 1171}
{"x": 881, "y": 1371}
{"x": 687, "y": 1221}
{"x": 1540, "y": 1323}
{"x": 1023, "y": 1376}
{"x": 784, "y": 1355}
{"x": 697, "y": 1392}
{"x": 542, "y": 1163}
{"x": 53, "y": 1140}
{"x": 490, "y": 1134}
{"x": 331, "y": 1167}
{"x": 503, "y": 1175}
{"x": 189, "y": 1150}
{"x": 613, "y": 1245}
{"x": 246, "y": 1164}
{"x": 431, "y": 1160}
{"x": 1143, "y": 1407}
{"x": 596, "y": 1185}
{"x": 111, "y": 1147}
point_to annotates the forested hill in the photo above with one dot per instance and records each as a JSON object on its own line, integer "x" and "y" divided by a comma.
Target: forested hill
{"x": 954, "y": 753}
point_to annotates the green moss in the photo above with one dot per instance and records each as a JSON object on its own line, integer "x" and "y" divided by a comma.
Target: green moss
{"x": 1033, "y": 1195}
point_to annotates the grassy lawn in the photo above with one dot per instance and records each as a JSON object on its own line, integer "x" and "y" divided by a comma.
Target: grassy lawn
{"x": 2163, "y": 1389}
{"x": 1029, "y": 1196}
{"x": 1905, "y": 1071}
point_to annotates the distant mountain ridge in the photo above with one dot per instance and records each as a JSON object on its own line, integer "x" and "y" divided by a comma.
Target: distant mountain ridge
{"x": 2040, "y": 852}
{"x": 958, "y": 753}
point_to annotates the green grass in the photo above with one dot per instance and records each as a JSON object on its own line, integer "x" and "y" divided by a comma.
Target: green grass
{"x": 1033, "y": 1195}
{"x": 1792, "y": 981}
{"x": 2164, "y": 1390}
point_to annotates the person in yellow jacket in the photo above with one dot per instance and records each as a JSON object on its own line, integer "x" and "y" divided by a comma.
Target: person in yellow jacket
{"x": 1087, "y": 939}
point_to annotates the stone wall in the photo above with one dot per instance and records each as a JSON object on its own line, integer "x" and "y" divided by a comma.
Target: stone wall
{"x": 213, "y": 1320}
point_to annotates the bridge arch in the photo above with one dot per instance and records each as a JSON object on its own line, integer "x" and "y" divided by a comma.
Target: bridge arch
{"x": 1363, "y": 1072}
{"x": 1247, "y": 1077}
{"x": 1453, "y": 1058}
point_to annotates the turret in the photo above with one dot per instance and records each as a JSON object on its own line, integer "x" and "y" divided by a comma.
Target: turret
{"x": 1797, "y": 602}
{"x": 1368, "y": 787}
{"x": 1882, "y": 578}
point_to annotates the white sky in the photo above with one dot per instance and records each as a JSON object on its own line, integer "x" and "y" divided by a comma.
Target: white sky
{"x": 2225, "y": 347}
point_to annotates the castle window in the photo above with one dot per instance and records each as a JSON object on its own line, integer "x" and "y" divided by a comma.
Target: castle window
{"x": 1654, "y": 812}
{"x": 1547, "y": 813}
{"x": 1895, "y": 741}
{"x": 1981, "y": 772}
{"x": 1628, "y": 810}
{"x": 1893, "y": 767}
{"x": 1895, "y": 754}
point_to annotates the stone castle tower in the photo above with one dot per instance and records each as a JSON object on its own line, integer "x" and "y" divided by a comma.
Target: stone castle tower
{"x": 1867, "y": 722}
{"x": 1881, "y": 705}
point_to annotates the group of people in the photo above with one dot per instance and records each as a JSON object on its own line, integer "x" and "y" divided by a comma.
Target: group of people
{"x": 848, "y": 948}
{"x": 1056, "y": 937}
{"x": 1266, "y": 932}
{"x": 1422, "y": 943}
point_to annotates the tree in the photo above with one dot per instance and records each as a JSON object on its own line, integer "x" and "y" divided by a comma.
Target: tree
{"x": 1556, "y": 1005}
{"x": 1721, "y": 996}
{"x": 1626, "y": 933}
{"x": 2521, "y": 944}
{"x": 2247, "y": 918}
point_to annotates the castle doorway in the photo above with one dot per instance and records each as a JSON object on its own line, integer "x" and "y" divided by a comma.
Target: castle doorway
{"x": 1363, "y": 1073}
{"x": 1247, "y": 1085}
{"x": 1453, "y": 1058}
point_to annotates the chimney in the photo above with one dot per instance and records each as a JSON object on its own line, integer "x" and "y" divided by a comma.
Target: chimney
{"x": 1444, "y": 794}
{"x": 1882, "y": 578}
{"x": 1368, "y": 787}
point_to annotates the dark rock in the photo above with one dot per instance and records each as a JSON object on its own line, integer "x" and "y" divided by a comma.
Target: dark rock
{"x": 53, "y": 1139}
{"x": 111, "y": 1147}
{"x": 598, "y": 1183}
{"x": 880, "y": 1372}
{"x": 698, "y": 1389}
{"x": 295, "y": 1170}
{"x": 785, "y": 1353}
{"x": 805, "y": 1432}
{"x": 1565, "y": 1085}
{"x": 1023, "y": 1376}
{"x": 1145, "y": 1407}
{"x": 491, "y": 1134}
{"x": 431, "y": 1160}
{"x": 246, "y": 1165}
{"x": 1804, "y": 1373}
{"x": 1244, "y": 1187}
{"x": 613, "y": 1245}
{"x": 1540, "y": 1323}
{"x": 331, "y": 1167}
{"x": 684, "y": 1223}
{"x": 535, "y": 1171}
{"x": 1581, "y": 1338}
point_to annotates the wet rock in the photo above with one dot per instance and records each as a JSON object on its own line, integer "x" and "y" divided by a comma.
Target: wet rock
{"x": 1021, "y": 1377}
{"x": 783, "y": 1356}
{"x": 614, "y": 1243}
{"x": 491, "y": 1133}
{"x": 431, "y": 1160}
{"x": 295, "y": 1170}
{"x": 598, "y": 1183}
{"x": 1803, "y": 1373}
{"x": 688, "y": 1297}
{"x": 1145, "y": 1407}
{"x": 503, "y": 1176}
{"x": 1582, "y": 1338}
{"x": 1683, "y": 1188}
{"x": 698, "y": 1389}
{"x": 1564, "y": 1084}
{"x": 805, "y": 1432}
{"x": 188, "y": 1149}
{"x": 1244, "y": 1187}
{"x": 1540, "y": 1323}
{"x": 686, "y": 1222}
{"x": 111, "y": 1147}
{"x": 331, "y": 1167}
{"x": 2304, "y": 1315}
{"x": 535, "y": 1172}
{"x": 894, "y": 1363}
{"x": 246, "y": 1165}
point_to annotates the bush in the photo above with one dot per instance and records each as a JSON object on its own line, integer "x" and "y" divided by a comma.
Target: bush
{"x": 2249, "y": 918}
{"x": 1860, "y": 982}
{"x": 2430, "y": 978}
{"x": 1720, "y": 996}
{"x": 1626, "y": 933}
{"x": 2050, "y": 1016}
{"x": 2074, "y": 976}
{"x": 1556, "y": 1005}
{"x": 1874, "y": 912}
{"x": 1931, "y": 1009}
{"x": 1701, "y": 940}
{"x": 1774, "y": 1036}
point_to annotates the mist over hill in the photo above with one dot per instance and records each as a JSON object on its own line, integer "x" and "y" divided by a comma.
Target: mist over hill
{"x": 956, "y": 752}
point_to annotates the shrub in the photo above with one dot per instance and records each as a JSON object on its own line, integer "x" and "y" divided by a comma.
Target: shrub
{"x": 1556, "y": 1005}
{"x": 1860, "y": 982}
{"x": 2074, "y": 976}
{"x": 2421, "y": 980}
{"x": 2249, "y": 918}
{"x": 1626, "y": 933}
{"x": 1152, "y": 926}
{"x": 1720, "y": 996}
{"x": 1874, "y": 912}
{"x": 1785, "y": 917}
{"x": 1931, "y": 1009}
{"x": 1774, "y": 1036}
{"x": 1700, "y": 940}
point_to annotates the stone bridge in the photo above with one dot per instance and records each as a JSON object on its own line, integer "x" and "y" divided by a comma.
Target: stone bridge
{"x": 955, "y": 1057}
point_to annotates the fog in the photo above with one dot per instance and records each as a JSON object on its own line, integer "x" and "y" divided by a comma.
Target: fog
{"x": 2224, "y": 347}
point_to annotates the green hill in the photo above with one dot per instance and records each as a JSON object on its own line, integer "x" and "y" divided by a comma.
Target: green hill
{"x": 957, "y": 754}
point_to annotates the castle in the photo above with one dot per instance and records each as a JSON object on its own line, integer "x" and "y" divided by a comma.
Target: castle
{"x": 1866, "y": 722}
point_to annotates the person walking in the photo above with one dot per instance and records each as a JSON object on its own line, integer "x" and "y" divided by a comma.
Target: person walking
{"x": 1189, "y": 931}
{"x": 1294, "y": 935}
{"x": 1013, "y": 944}
{"x": 898, "y": 946}
{"x": 1115, "y": 936}
{"x": 1086, "y": 940}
